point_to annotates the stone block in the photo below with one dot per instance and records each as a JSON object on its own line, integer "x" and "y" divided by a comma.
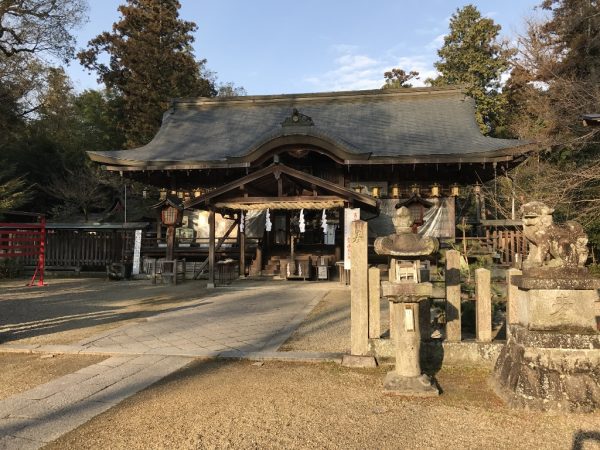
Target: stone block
{"x": 453, "y": 309}
{"x": 359, "y": 292}
{"x": 549, "y": 379}
{"x": 512, "y": 299}
{"x": 483, "y": 304}
{"x": 359, "y": 361}
{"x": 420, "y": 386}
{"x": 567, "y": 311}
{"x": 374, "y": 303}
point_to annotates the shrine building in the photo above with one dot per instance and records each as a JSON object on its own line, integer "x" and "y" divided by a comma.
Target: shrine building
{"x": 287, "y": 166}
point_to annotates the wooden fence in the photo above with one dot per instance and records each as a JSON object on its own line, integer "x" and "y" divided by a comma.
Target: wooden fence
{"x": 506, "y": 246}
{"x": 68, "y": 249}
{"x": 77, "y": 249}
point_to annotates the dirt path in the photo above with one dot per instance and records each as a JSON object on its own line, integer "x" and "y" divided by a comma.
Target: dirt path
{"x": 278, "y": 405}
{"x": 327, "y": 327}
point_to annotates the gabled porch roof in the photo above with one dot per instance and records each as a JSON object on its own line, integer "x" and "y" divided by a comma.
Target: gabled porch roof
{"x": 271, "y": 187}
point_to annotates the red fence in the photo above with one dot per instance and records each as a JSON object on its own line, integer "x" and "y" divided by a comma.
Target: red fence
{"x": 25, "y": 240}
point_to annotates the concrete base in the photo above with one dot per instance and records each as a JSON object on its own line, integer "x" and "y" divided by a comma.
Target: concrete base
{"x": 359, "y": 361}
{"x": 420, "y": 386}
{"x": 550, "y": 378}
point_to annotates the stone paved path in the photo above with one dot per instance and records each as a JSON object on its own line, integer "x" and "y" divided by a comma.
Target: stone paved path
{"x": 240, "y": 321}
{"x": 38, "y": 416}
{"x": 231, "y": 321}
{"x": 234, "y": 320}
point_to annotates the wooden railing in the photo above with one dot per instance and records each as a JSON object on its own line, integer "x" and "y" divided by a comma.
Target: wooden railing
{"x": 505, "y": 246}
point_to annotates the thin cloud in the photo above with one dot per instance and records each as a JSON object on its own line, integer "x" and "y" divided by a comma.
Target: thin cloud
{"x": 436, "y": 43}
{"x": 354, "y": 70}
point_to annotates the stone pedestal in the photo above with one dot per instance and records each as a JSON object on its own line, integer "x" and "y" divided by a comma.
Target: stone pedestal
{"x": 406, "y": 378}
{"x": 551, "y": 360}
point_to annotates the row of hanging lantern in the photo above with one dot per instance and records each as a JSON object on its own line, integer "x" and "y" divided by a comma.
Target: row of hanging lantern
{"x": 396, "y": 192}
{"x": 183, "y": 195}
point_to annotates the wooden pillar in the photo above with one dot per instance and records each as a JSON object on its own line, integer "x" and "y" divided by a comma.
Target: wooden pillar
{"x": 453, "y": 310}
{"x": 242, "y": 236}
{"x": 359, "y": 289}
{"x": 170, "y": 243}
{"x": 211, "y": 249}
{"x": 259, "y": 258}
{"x": 483, "y": 298}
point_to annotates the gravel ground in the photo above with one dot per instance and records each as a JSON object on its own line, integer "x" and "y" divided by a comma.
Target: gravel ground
{"x": 21, "y": 372}
{"x": 278, "y": 405}
{"x": 69, "y": 310}
{"x": 327, "y": 327}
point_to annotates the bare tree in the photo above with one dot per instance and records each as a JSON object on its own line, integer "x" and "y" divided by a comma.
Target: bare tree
{"x": 81, "y": 190}
{"x": 39, "y": 26}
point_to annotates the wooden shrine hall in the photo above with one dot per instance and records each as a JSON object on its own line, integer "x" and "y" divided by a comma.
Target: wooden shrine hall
{"x": 294, "y": 163}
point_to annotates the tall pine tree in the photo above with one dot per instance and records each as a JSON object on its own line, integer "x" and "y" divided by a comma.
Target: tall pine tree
{"x": 474, "y": 57}
{"x": 151, "y": 60}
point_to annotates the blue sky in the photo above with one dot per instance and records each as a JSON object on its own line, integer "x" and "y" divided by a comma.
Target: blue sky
{"x": 278, "y": 47}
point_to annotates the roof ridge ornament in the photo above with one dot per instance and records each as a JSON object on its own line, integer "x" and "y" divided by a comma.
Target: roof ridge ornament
{"x": 297, "y": 119}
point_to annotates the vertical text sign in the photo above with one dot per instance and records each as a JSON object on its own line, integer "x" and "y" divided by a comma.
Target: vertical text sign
{"x": 350, "y": 215}
{"x": 137, "y": 247}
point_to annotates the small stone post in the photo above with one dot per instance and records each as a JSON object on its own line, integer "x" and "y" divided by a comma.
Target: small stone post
{"x": 408, "y": 334}
{"x": 359, "y": 291}
{"x": 483, "y": 298}
{"x": 453, "y": 322}
{"x": 512, "y": 293}
{"x": 374, "y": 303}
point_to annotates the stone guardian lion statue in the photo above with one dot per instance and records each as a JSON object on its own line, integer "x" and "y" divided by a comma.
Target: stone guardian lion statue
{"x": 552, "y": 245}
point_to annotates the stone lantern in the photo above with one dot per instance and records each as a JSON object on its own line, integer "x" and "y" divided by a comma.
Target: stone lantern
{"x": 406, "y": 295}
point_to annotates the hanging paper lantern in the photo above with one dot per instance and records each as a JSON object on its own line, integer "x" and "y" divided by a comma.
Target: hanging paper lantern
{"x": 301, "y": 222}
{"x": 324, "y": 222}
{"x": 268, "y": 224}
{"x": 242, "y": 222}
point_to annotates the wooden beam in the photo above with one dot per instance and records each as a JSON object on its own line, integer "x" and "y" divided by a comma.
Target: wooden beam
{"x": 298, "y": 198}
{"x": 222, "y": 239}
{"x": 211, "y": 249}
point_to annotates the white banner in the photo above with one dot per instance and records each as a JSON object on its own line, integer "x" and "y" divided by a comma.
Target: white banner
{"x": 350, "y": 215}
{"x": 137, "y": 248}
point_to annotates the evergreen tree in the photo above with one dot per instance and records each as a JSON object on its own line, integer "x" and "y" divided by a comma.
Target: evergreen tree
{"x": 472, "y": 56}
{"x": 151, "y": 60}
{"x": 554, "y": 82}
{"x": 573, "y": 31}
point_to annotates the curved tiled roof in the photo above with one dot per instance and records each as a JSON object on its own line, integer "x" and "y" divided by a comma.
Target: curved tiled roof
{"x": 405, "y": 124}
